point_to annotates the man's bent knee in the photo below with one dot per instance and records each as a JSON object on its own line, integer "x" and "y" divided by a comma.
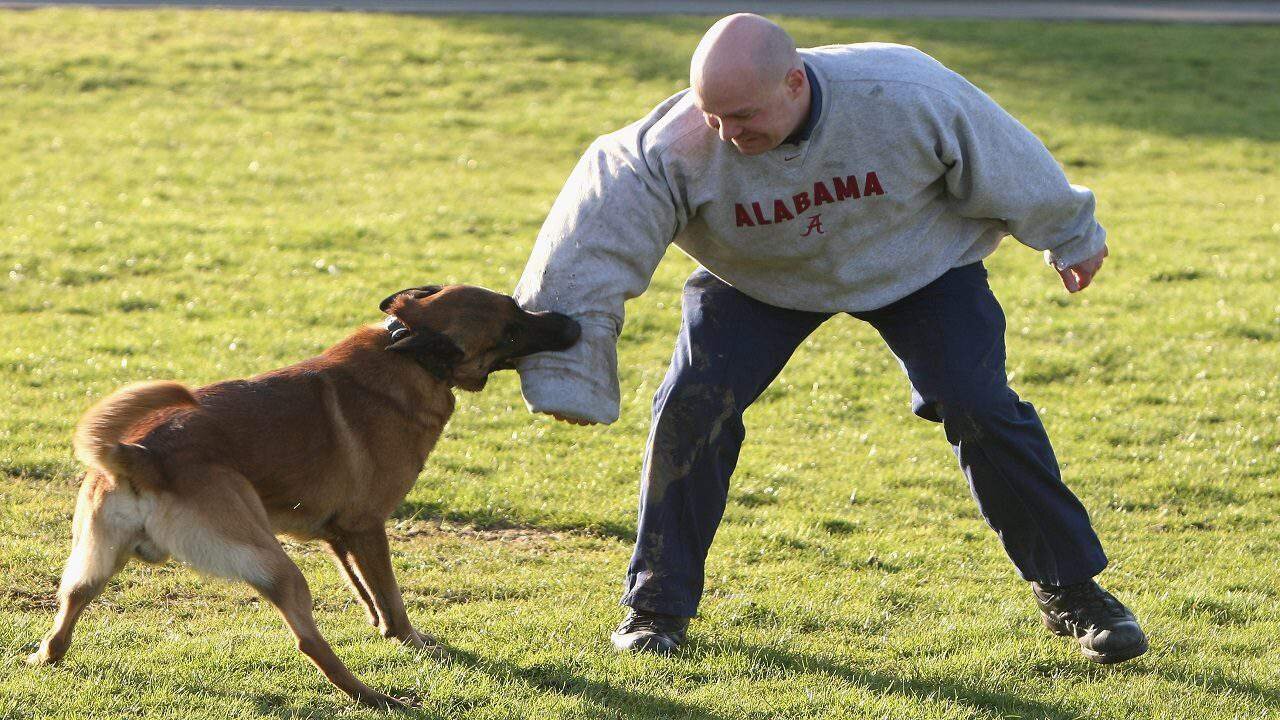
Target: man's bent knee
{"x": 971, "y": 417}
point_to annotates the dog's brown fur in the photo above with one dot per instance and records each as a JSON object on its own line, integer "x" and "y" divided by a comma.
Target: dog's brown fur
{"x": 324, "y": 449}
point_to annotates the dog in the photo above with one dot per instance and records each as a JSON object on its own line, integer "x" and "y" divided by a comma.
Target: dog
{"x": 322, "y": 450}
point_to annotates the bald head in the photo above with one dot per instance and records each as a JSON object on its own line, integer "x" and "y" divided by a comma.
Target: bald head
{"x": 741, "y": 50}
{"x": 749, "y": 82}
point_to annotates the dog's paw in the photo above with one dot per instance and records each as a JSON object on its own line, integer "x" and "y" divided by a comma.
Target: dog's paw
{"x": 406, "y": 702}
{"x": 436, "y": 652}
{"x": 37, "y": 658}
{"x": 383, "y": 702}
{"x": 427, "y": 644}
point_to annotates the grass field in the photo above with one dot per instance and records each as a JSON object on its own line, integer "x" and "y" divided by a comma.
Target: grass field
{"x": 203, "y": 195}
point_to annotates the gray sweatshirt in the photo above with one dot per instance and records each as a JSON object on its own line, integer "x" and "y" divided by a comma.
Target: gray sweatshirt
{"x": 909, "y": 171}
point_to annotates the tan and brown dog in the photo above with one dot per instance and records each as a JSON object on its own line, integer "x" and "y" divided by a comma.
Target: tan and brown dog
{"x": 325, "y": 449}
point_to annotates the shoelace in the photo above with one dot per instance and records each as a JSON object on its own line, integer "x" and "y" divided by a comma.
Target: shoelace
{"x": 646, "y": 622}
{"x": 1088, "y": 603}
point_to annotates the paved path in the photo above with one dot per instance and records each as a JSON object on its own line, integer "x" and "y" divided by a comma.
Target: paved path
{"x": 1258, "y": 11}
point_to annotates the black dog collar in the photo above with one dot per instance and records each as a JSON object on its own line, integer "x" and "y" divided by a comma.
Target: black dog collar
{"x": 431, "y": 350}
{"x": 398, "y": 330}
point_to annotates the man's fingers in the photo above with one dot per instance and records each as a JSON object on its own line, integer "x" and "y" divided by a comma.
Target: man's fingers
{"x": 1080, "y": 276}
{"x": 1069, "y": 280}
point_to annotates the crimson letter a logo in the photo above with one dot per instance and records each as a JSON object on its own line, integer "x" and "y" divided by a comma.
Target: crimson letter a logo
{"x": 815, "y": 223}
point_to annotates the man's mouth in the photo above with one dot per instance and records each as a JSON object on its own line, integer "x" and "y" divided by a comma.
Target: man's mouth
{"x": 748, "y": 144}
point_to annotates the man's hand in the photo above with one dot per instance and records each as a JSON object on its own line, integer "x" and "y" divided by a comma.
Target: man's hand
{"x": 572, "y": 420}
{"x": 1078, "y": 276}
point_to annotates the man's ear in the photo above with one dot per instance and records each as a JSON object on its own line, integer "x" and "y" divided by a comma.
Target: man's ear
{"x": 432, "y": 350}
{"x": 796, "y": 78}
{"x": 418, "y": 294}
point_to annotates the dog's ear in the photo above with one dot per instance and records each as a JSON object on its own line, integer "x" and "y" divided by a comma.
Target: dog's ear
{"x": 433, "y": 351}
{"x": 418, "y": 294}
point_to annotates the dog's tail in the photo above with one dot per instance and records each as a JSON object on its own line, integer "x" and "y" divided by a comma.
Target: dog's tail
{"x": 98, "y": 434}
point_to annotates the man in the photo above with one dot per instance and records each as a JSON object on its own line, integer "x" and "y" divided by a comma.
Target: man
{"x": 866, "y": 179}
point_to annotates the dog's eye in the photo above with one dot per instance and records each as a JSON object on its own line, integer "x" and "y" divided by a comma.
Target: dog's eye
{"x": 511, "y": 333}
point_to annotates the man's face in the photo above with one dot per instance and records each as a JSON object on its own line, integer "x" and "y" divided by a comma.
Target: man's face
{"x": 756, "y": 118}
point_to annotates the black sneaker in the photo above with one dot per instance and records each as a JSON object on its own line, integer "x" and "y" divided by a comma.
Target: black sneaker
{"x": 643, "y": 631}
{"x": 1104, "y": 627}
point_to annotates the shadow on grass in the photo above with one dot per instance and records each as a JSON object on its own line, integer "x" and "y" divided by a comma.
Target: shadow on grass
{"x": 485, "y": 519}
{"x": 958, "y": 692}
{"x": 557, "y": 678}
{"x": 561, "y": 679}
{"x": 1179, "y": 675}
{"x": 965, "y": 694}
{"x": 1175, "y": 80}
{"x": 973, "y": 696}
{"x": 43, "y": 472}
{"x": 549, "y": 679}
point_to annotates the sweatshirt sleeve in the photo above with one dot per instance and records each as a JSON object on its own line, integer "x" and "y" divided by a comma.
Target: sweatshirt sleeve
{"x": 598, "y": 247}
{"x": 997, "y": 169}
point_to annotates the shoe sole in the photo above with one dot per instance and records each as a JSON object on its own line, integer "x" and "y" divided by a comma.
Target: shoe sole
{"x": 1093, "y": 655}
{"x": 1115, "y": 657}
{"x": 650, "y": 645}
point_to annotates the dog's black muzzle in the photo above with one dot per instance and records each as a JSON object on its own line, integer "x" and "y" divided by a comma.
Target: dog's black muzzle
{"x": 545, "y": 332}
{"x": 559, "y": 331}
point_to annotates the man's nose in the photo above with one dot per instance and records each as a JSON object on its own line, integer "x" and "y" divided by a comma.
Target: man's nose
{"x": 729, "y": 131}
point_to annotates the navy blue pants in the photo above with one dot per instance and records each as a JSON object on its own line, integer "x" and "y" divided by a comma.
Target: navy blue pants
{"x": 949, "y": 337}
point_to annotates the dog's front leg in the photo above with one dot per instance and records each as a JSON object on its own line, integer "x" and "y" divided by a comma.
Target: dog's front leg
{"x": 371, "y": 557}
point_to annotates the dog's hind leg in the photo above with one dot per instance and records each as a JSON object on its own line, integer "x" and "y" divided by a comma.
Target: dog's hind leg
{"x": 218, "y": 525}
{"x": 372, "y": 559}
{"x": 342, "y": 555}
{"x": 106, "y": 521}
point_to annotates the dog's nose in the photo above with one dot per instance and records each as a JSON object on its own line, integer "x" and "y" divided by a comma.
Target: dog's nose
{"x": 570, "y": 330}
{"x": 561, "y": 330}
